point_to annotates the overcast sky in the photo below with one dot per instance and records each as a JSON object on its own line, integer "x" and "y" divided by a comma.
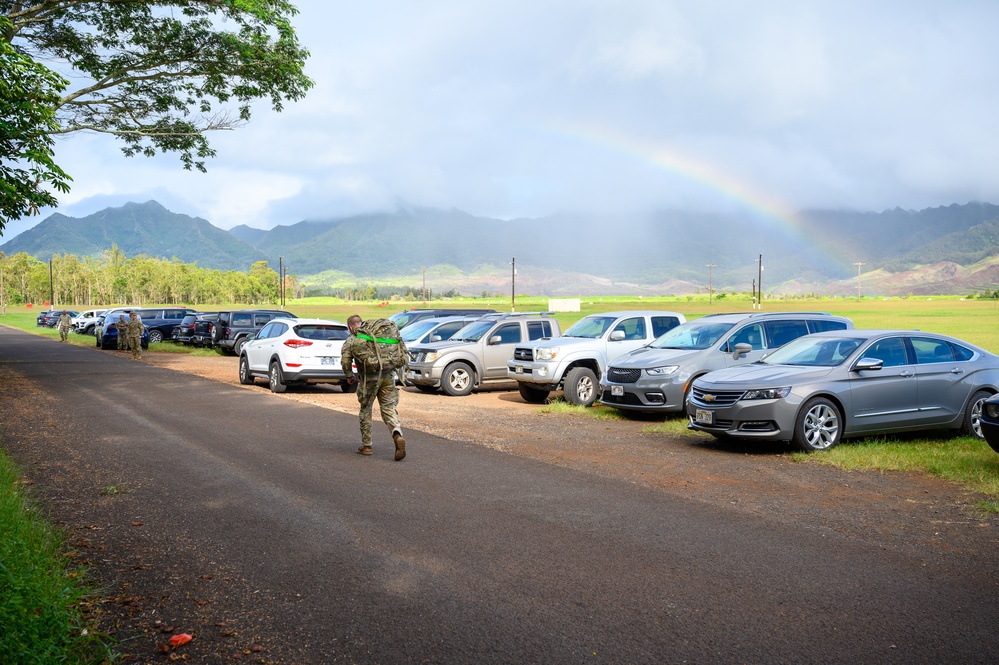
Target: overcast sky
{"x": 525, "y": 108}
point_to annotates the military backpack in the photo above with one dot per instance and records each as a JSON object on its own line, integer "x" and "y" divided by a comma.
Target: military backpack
{"x": 383, "y": 348}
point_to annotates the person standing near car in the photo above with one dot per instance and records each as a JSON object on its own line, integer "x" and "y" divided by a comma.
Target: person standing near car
{"x": 64, "y": 323}
{"x": 376, "y": 349}
{"x": 133, "y": 331}
{"x": 121, "y": 325}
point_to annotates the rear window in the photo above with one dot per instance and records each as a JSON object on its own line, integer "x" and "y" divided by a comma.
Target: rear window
{"x": 663, "y": 324}
{"x": 321, "y": 332}
{"x": 240, "y": 320}
{"x": 821, "y": 325}
{"x": 782, "y": 332}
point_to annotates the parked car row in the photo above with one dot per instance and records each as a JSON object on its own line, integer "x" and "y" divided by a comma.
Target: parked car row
{"x": 805, "y": 377}
{"x": 809, "y": 378}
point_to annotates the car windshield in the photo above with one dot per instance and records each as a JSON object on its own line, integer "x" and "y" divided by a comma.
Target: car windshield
{"x": 321, "y": 331}
{"x": 473, "y": 332}
{"x": 418, "y": 329}
{"x": 400, "y": 319}
{"x": 690, "y": 336}
{"x": 814, "y": 351}
{"x": 590, "y": 327}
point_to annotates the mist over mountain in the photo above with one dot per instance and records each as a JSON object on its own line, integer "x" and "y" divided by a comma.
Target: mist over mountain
{"x": 949, "y": 249}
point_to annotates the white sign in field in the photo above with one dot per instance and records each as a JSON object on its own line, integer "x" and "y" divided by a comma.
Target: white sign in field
{"x": 563, "y": 304}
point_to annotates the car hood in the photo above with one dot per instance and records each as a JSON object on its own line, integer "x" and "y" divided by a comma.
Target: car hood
{"x": 648, "y": 357}
{"x": 761, "y": 375}
{"x": 562, "y": 342}
{"x": 439, "y": 346}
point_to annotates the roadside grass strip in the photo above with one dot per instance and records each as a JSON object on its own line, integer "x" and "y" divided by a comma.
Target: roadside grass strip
{"x": 963, "y": 459}
{"x": 42, "y": 593}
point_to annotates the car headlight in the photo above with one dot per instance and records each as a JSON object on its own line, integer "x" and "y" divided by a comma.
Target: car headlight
{"x": 546, "y": 353}
{"x": 431, "y": 356}
{"x": 992, "y": 410}
{"x": 767, "y": 393}
{"x": 662, "y": 371}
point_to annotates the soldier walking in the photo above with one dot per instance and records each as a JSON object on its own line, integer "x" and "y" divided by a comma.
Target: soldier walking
{"x": 133, "y": 330}
{"x": 377, "y": 350}
{"x": 64, "y": 323}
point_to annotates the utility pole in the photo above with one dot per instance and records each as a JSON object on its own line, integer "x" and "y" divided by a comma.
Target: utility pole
{"x": 858, "y": 264}
{"x": 424, "y": 286}
{"x": 51, "y": 286}
{"x": 710, "y": 288}
{"x": 759, "y": 282}
{"x": 281, "y": 280}
{"x": 513, "y": 284}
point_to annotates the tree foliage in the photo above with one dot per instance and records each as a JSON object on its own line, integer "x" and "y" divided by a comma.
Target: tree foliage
{"x": 158, "y": 75}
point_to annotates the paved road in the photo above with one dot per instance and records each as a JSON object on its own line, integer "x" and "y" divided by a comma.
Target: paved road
{"x": 250, "y": 521}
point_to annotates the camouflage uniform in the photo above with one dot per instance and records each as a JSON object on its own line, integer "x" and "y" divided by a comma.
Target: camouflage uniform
{"x": 380, "y": 385}
{"x": 122, "y": 326}
{"x": 64, "y": 324}
{"x": 133, "y": 330}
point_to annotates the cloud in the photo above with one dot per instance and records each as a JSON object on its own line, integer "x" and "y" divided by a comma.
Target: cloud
{"x": 478, "y": 106}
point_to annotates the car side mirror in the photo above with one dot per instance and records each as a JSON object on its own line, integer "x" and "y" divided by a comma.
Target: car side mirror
{"x": 436, "y": 338}
{"x": 617, "y": 336}
{"x": 741, "y": 349}
{"x": 251, "y": 337}
{"x": 494, "y": 340}
{"x": 866, "y": 364}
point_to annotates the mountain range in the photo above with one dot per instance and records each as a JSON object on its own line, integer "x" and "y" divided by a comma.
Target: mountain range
{"x": 949, "y": 249}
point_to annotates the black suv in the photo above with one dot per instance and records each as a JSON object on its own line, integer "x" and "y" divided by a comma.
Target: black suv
{"x": 406, "y": 317}
{"x": 186, "y": 332}
{"x": 231, "y": 330}
{"x": 160, "y": 322}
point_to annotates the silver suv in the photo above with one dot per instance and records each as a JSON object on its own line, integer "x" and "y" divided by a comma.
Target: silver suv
{"x": 477, "y": 353}
{"x": 576, "y": 361}
{"x": 657, "y": 378}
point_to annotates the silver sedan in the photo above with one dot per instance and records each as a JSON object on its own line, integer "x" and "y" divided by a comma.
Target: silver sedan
{"x": 820, "y": 388}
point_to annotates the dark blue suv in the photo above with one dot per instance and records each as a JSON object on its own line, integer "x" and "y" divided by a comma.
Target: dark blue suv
{"x": 106, "y": 332}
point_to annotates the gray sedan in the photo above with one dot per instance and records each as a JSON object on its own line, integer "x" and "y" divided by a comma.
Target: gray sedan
{"x": 820, "y": 388}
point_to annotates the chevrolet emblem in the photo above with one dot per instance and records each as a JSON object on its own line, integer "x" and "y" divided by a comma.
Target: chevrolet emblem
{"x": 708, "y": 398}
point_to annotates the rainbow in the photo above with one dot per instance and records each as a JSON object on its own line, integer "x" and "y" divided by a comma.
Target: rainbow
{"x": 738, "y": 192}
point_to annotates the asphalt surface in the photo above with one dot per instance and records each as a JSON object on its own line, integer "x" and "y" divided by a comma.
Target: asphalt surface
{"x": 249, "y": 521}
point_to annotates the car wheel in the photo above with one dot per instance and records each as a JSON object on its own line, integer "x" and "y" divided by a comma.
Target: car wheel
{"x": 972, "y": 425}
{"x": 89, "y": 330}
{"x": 349, "y": 387}
{"x": 244, "y": 372}
{"x": 580, "y": 386}
{"x": 457, "y": 380}
{"x": 215, "y": 332}
{"x": 155, "y": 337}
{"x": 237, "y": 348}
{"x": 819, "y": 425}
{"x": 425, "y": 389}
{"x": 275, "y": 380}
{"x": 533, "y": 395}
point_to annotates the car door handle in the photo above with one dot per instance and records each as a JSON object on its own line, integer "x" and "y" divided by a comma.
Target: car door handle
{"x": 907, "y": 373}
{"x": 957, "y": 370}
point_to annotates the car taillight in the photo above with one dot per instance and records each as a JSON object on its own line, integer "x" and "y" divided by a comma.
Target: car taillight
{"x": 297, "y": 343}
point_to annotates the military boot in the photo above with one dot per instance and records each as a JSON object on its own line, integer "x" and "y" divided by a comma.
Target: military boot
{"x": 400, "y": 445}
{"x": 364, "y": 450}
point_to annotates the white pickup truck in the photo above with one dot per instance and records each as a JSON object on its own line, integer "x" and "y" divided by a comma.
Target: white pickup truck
{"x": 575, "y": 361}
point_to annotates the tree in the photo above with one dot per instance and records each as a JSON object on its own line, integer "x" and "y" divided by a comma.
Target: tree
{"x": 29, "y": 93}
{"x": 158, "y": 75}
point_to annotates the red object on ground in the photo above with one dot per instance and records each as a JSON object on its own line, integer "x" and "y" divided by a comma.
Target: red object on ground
{"x": 180, "y": 640}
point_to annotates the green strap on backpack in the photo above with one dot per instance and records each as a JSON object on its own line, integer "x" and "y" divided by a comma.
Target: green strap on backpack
{"x": 384, "y": 349}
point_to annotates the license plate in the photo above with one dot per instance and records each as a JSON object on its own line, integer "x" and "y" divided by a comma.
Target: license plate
{"x": 704, "y": 417}
{"x": 617, "y": 391}
{"x": 329, "y": 360}
{"x": 518, "y": 369}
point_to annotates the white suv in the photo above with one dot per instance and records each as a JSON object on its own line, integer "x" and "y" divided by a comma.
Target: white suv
{"x": 290, "y": 351}
{"x": 86, "y": 322}
{"x": 577, "y": 360}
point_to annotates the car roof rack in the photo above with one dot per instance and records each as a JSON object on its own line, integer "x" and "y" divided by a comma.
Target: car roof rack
{"x": 762, "y": 314}
{"x": 507, "y": 315}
